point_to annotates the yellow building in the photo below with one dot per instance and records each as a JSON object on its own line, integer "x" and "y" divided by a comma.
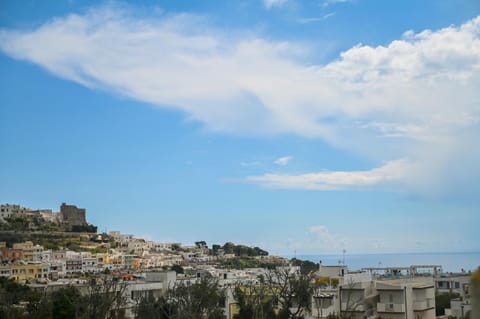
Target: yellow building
{"x": 233, "y": 310}
{"x": 28, "y": 272}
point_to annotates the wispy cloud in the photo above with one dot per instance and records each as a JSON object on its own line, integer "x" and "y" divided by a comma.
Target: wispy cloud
{"x": 248, "y": 164}
{"x": 326, "y": 3}
{"x": 316, "y": 19}
{"x": 273, "y": 3}
{"x": 282, "y": 161}
{"x": 390, "y": 173}
{"x": 316, "y": 238}
{"x": 422, "y": 87}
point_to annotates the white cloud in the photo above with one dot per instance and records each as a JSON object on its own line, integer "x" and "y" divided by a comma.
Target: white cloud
{"x": 388, "y": 174}
{"x": 316, "y": 238}
{"x": 321, "y": 231}
{"x": 282, "y": 161}
{"x": 411, "y": 98}
{"x": 273, "y": 3}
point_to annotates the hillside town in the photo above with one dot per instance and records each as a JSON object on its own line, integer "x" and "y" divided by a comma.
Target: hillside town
{"x": 47, "y": 250}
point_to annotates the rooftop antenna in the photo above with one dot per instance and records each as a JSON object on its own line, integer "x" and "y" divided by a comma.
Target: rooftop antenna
{"x": 343, "y": 259}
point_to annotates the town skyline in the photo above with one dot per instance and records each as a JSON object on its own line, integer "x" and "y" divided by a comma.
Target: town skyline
{"x": 295, "y": 126}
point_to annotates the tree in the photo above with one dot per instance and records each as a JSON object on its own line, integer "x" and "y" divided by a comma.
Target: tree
{"x": 66, "y": 303}
{"x": 255, "y": 301}
{"x": 203, "y": 299}
{"x": 11, "y": 294}
{"x": 289, "y": 294}
{"x": 215, "y": 248}
{"x": 151, "y": 308}
{"x": 201, "y": 244}
{"x": 295, "y": 292}
{"x": 178, "y": 269}
{"x": 306, "y": 266}
{"x": 105, "y": 298}
{"x": 228, "y": 248}
{"x": 176, "y": 247}
{"x": 442, "y": 301}
{"x": 351, "y": 300}
{"x": 199, "y": 300}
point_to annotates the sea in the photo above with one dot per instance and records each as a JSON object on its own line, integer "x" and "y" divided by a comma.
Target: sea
{"x": 450, "y": 262}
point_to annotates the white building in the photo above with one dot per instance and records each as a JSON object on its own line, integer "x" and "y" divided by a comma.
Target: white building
{"x": 459, "y": 308}
{"x": 409, "y": 298}
{"x": 332, "y": 271}
{"x": 37, "y": 253}
{"x": 456, "y": 283}
{"x": 58, "y": 255}
{"x": 8, "y": 210}
{"x": 89, "y": 265}
{"x": 150, "y": 284}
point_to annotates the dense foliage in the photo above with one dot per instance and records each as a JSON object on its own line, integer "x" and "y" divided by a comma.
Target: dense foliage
{"x": 16, "y": 223}
{"x": 279, "y": 294}
{"x": 247, "y": 262}
{"x": 84, "y": 229}
{"x": 242, "y": 250}
{"x": 306, "y": 266}
{"x": 442, "y": 301}
{"x": 98, "y": 301}
{"x": 201, "y": 300}
{"x": 178, "y": 269}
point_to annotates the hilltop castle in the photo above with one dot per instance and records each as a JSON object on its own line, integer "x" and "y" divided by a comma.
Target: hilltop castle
{"x": 71, "y": 215}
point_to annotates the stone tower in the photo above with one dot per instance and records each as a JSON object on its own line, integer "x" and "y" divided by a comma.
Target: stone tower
{"x": 71, "y": 215}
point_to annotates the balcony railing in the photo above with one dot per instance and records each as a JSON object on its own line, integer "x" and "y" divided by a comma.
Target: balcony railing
{"x": 390, "y": 307}
{"x": 352, "y": 307}
{"x": 423, "y": 304}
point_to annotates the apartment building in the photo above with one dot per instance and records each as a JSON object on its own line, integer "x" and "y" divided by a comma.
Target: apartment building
{"x": 357, "y": 299}
{"x": 8, "y": 254}
{"x": 89, "y": 265}
{"x": 7, "y": 210}
{"x": 455, "y": 283}
{"x": 23, "y": 272}
{"x": 27, "y": 248}
{"x": 148, "y": 284}
{"x": 406, "y": 298}
{"x": 325, "y": 303}
{"x": 73, "y": 265}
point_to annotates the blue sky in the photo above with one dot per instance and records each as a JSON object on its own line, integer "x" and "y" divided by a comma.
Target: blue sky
{"x": 308, "y": 126}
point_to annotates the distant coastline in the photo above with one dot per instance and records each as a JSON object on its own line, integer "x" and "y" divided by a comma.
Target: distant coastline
{"x": 450, "y": 261}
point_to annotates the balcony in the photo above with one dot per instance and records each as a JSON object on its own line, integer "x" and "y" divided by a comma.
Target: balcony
{"x": 390, "y": 307}
{"x": 423, "y": 304}
{"x": 352, "y": 307}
